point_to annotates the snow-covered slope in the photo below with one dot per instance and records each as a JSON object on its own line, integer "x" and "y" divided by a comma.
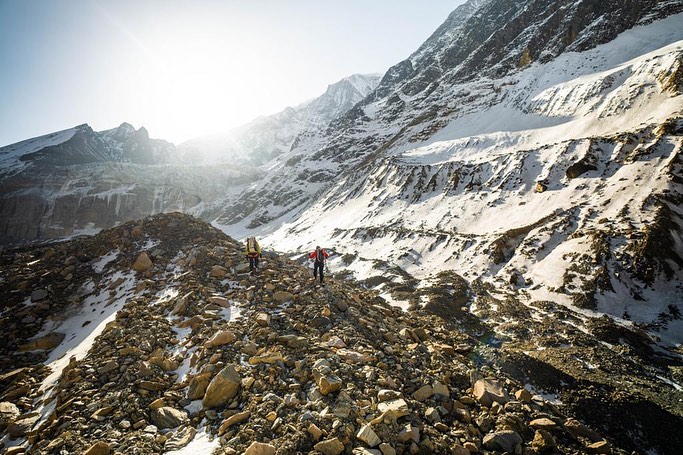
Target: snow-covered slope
{"x": 268, "y": 137}
{"x": 10, "y": 156}
{"x": 558, "y": 182}
{"x": 443, "y": 91}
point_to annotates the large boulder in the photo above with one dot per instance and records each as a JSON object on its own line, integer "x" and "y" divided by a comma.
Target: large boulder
{"x": 259, "y": 448}
{"x": 505, "y": 440}
{"x": 282, "y": 297}
{"x": 350, "y": 356}
{"x": 142, "y": 263}
{"x": 330, "y": 446}
{"x": 423, "y": 393}
{"x": 368, "y": 436}
{"x": 543, "y": 442}
{"x": 220, "y": 301}
{"x": 181, "y": 304}
{"x": 488, "y": 391}
{"x": 198, "y": 385}
{"x": 233, "y": 420}
{"x": 20, "y": 428}
{"x": 180, "y": 438}
{"x": 408, "y": 433}
{"x": 38, "y": 295}
{"x": 168, "y": 417}
{"x": 218, "y": 271}
{"x": 600, "y": 447}
{"x": 222, "y": 388}
{"x": 47, "y": 342}
{"x": 221, "y": 338}
{"x": 394, "y": 408}
{"x": 329, "y": 384}
{"x": 263, "y": 319}
{"x": 576, "y": 428}
{"x": 99, "y": 448}
{"x": 8, "y": 414}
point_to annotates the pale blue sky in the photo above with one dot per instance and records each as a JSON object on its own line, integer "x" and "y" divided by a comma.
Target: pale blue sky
{"x": 187, "y": 68}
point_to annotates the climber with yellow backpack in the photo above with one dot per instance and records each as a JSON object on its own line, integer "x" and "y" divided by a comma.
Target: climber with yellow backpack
{"x": 253, "y": 253}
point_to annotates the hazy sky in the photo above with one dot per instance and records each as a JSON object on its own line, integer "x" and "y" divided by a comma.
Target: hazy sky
{"x": 187, "y": 68}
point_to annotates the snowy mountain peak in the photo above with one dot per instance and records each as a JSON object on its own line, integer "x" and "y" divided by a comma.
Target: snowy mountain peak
{"x": 271, "y": 136}
{"x": 122, "y": 132}
{"x": 142, "y": 133}
{"x": 362, "y": 83}
{"x": 447, "y": 32}
{"x": 81, "y": 144}
{"x": 343, "y": 95}
{"x": 126, "y": 128}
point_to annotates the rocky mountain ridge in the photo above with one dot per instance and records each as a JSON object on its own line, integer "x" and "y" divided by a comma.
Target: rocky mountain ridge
{"x": 79, "y": 181}
{"x": 83, "y": 145}
{"x": 65, "y": 201}
{"x": 401, "y": 114}
{"x": 153, "y": 338}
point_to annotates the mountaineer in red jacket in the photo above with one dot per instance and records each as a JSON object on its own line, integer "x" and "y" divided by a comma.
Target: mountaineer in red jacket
{"x": 320, "y": 257}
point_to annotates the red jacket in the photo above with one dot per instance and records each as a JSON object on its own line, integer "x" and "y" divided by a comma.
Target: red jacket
{"x": 323, "y": 253}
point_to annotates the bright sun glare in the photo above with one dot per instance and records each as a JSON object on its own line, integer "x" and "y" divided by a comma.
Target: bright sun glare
{"x": 197, "y": 85}
{"x": 211, "y": 73}
{"x": 207, "y": 76}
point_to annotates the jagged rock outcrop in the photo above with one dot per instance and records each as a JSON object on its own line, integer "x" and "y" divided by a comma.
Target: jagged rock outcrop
{"x": 82, "y": 145}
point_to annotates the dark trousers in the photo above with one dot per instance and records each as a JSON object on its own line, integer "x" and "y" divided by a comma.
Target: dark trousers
{"x": 318, "y": 267}
{"x": 253, "y": 262}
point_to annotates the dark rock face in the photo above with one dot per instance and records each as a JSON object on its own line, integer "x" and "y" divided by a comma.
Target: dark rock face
{"x": 90, "y": 180}
{"x": 54, "y": 201}
{"x": 20, "y": 217}
{"x": 579, "y": 168}
{"x": 490, "y": 37}
{"x": 394, "y": 76}
{"x": 653, "y": 254}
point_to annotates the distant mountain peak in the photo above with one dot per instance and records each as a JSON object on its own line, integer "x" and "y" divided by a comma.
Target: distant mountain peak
{"x": 361, "y": 82}
{"x": 142, "y": 132}
{"x": 82, "y": 145}
{"x": 125, "y": 126}
{"x": 267, "y": 137}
